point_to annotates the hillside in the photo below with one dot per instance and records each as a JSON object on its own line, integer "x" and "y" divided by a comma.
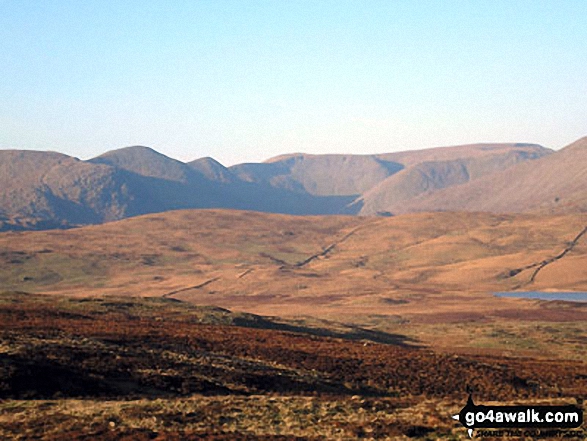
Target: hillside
{"x": 337, "y": 327}
{"x": 213, "y": 170}
{"x": 556, "y": 183}
{"x": 48, "y": 190}
{"x": 340, "y": 175}
{"x": 139, "y": 369}
{"x": 441, "y": 171}
{"x": 439, "y": 154}
{"x": 358, "y": 174}
{"x": 278, "y": 264}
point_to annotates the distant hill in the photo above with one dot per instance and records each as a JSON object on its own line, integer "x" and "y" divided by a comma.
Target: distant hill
{"x": 356, "y": 174}
{"x": 40, "y": 190}
{"x": 555, "y": 183}
{"x": 443, "y": 169}
{"x": 48, "y": 190}
{"x": 44, "y": 190}
{"x": 324, "y": 175}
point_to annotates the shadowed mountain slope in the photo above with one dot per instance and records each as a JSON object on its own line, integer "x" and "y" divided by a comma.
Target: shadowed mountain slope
{"x": 48, "y": 190}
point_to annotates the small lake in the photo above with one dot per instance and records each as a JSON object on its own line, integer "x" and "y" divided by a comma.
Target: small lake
{"x": 568, "y": 296}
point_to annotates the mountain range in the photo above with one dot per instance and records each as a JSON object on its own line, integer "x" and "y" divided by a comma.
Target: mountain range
{"x": 42, "y": 190}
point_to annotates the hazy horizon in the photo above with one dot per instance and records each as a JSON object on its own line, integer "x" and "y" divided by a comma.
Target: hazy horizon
{"x": 243, "y": 82}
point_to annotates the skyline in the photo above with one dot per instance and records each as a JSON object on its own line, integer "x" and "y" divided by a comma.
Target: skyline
{"x": 243, "y": 82}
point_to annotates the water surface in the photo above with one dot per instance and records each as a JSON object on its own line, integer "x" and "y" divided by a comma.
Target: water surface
{"x": 542, "y": 295}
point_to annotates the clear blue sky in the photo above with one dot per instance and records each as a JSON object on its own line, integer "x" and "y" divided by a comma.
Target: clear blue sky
{"x": 246, "y": 80}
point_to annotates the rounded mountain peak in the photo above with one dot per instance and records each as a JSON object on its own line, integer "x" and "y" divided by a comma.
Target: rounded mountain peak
{"x": 146, "y": 162}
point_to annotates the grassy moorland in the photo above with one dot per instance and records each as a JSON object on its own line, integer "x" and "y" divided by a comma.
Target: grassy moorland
{"x": 409, "y": 273}
{"x": 235, "y": 325}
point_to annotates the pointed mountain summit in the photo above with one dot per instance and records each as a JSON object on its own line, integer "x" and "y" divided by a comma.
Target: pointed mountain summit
{"x": 213, "y": 170}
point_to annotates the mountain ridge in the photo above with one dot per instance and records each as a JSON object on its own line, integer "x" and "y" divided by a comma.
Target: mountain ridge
{"x": 52, "y": 190}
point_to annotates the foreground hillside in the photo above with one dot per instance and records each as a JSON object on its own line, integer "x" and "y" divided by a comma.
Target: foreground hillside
{"x": 42, "y": 190}
{"x": 162, "y": 369}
